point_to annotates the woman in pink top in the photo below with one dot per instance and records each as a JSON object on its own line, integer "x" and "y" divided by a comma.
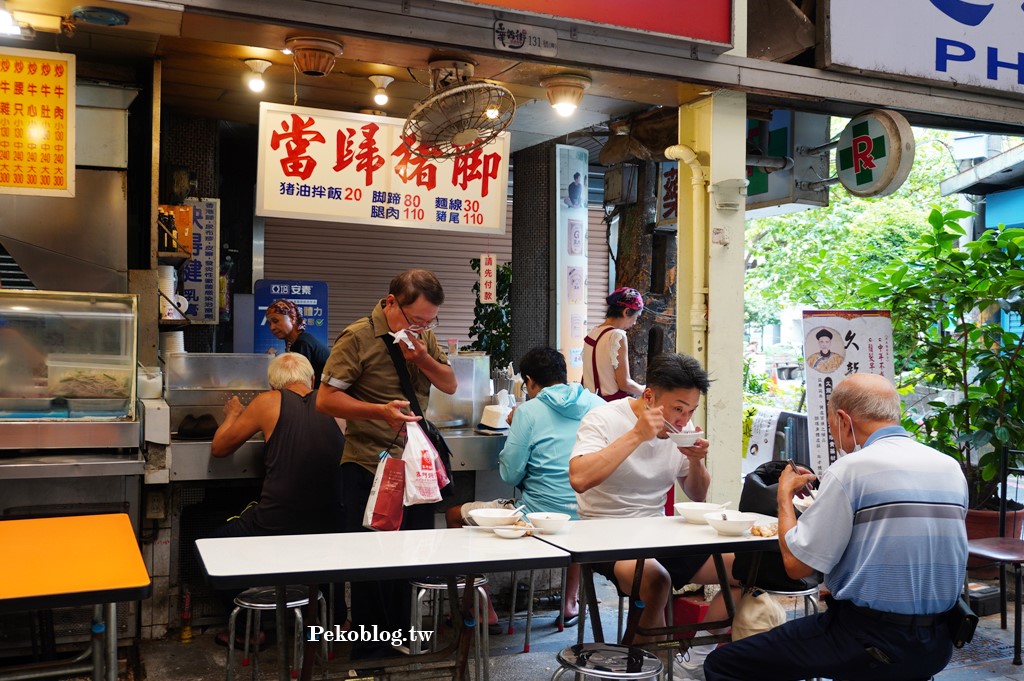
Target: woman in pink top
{"x": 606, "y": 350}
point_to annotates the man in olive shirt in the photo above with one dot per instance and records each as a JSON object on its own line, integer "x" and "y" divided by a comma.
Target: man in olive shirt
{"x": 360, "y": 384}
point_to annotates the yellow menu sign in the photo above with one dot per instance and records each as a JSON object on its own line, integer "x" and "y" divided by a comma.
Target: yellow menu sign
{"x": 37, "y": 122}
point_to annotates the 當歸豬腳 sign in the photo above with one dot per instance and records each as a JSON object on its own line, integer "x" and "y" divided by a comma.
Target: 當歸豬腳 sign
{"x": 345, "y": 167}
{"x": 37, "y": 122}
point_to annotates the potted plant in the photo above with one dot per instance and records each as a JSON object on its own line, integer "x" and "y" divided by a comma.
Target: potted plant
{"x": 948, "y": 337}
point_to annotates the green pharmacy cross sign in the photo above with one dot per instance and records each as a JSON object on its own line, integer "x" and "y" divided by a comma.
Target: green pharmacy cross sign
{"x": 861, "y": 153}
{"x": 875, "y": 153}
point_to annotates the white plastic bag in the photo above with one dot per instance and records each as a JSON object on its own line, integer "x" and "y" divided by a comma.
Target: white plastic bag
{"x": 421, "y": 485}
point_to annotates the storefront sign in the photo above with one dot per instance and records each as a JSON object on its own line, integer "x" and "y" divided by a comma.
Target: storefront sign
{"x": 875, "y": 153}
{"x": 309, "y": 296}
{"x": 838, "y": 343}
{"x": 525, "y": 39}
{"x": 201, "y": 275}
{"x": 569, "y": 189}
{"x": 37, "y": 122}
{"x": 488, "y": 278}
{"x": 668, "y": 193}
{"x": 346, "y": 167}
{"x": 957, "y": 42}
{"x": 706, "y": 21}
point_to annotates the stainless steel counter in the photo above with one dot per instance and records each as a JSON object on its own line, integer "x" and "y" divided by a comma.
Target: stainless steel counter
{"x": 193, "y": 461}
{"x": 472, "y": 451}
{"x": 75, "y": 464}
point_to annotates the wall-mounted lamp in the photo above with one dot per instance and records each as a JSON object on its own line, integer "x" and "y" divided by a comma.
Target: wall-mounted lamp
{"x": 565, "y": 90}
{"x": 9, "y": 26}
{"x": 380, "y": 95}
{"x": 255, "y": 79}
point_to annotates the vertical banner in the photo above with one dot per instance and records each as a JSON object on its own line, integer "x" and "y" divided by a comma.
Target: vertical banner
{"x": 201, "y": 278}
{"x": 758, "y": 437}
{"x": 37, "y": 122}
{"x": 569, "y": 187}
{"x": 488, "y": 278}
{"x": 309, "y": 296}
{"x": 668, "y": 193}
{"x": 838, "y": 343}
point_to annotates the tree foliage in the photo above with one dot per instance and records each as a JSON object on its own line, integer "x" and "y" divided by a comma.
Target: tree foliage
{"x": 818, "y": 257}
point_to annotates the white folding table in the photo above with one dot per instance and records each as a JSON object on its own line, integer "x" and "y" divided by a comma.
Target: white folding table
{"x": 605, "y": 540}
{"x": 238, "y": 562}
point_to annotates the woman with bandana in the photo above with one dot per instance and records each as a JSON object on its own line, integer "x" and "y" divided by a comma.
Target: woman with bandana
{"x": 606, "y": 350}
{"x": 286, "y": 322}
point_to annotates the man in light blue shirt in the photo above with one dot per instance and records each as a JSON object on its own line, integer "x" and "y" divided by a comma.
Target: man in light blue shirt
{"x": 535, "y": 459}
{"x": 887, "y": 530}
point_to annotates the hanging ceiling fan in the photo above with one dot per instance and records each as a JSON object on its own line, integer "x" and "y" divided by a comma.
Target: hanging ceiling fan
{"x": 459, "y": 115}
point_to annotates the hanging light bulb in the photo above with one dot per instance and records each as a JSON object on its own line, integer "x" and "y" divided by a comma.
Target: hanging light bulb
{"x": 565, "y": 90}
{"x": 255, "y": 79}
{"x": 380, "y": 95}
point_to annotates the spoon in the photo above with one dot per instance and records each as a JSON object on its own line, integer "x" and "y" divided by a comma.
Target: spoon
{"x": 724, "y": 506}
{"x": 516, "y": 510}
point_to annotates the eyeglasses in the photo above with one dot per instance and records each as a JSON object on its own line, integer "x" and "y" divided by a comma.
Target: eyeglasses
{"x": 418, "y": 326}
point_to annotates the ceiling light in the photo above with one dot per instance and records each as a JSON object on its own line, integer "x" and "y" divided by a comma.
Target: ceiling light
{"x": 313, "y": 56}
{"x": 492, "y": 112}
{"x": 8, "y": 26}
{"x": 565, "y": 90}
{"x": 255, "y": 79}
{"x": 380, "y": 96}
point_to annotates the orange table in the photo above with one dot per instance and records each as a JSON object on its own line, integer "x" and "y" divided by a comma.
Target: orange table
{"x": 74, "y": 561}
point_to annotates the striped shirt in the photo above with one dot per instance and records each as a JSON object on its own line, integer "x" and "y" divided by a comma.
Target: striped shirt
{"x": 887, "y": 527}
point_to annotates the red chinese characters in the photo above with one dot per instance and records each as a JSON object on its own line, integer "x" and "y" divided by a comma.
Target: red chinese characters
{"x": 410, "y": 166}
{"x": 368, "y": 160}
{"x": 476, "y": 166}
{"x": 296, "y": 138}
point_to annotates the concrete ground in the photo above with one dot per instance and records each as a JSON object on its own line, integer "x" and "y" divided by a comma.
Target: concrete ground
{"x": 987, "y": 658}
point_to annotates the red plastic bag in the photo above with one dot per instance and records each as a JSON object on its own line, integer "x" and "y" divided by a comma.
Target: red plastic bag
{"x": 384, "y": 507}
{"x": 420, "y": 457}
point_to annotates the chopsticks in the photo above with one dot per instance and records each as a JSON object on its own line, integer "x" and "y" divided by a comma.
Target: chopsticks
{"x": 811, "y": 492}
{"x": 671, "y": 427}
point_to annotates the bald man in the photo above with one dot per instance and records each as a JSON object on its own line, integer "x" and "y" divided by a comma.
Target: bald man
{"x": 887, "y": 530}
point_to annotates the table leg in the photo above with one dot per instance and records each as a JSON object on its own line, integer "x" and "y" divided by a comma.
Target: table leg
{"x": 98, "y": 634}
{"x": 111, "y": 632}
{"x": 282, "y": 639}
{"x": 590, "y": 599}
{"x": 636, "y": 605}
{"x": 464, "y": 620}
{"x": 310, "y": 647}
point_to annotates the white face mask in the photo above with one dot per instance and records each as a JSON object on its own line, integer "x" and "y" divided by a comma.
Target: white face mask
{"x": 839, "y": 445}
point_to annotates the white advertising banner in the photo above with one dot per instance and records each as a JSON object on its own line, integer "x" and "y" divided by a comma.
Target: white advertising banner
{"x": 488, "y": 278}
{"x": 201, "y": 274}
{"x": 570, "y": 240}
{"x": 759, "y": 442}
{"x": 838, "y": 343}
{"x": 336, "y": 166}
{"x": 952, "y": 41}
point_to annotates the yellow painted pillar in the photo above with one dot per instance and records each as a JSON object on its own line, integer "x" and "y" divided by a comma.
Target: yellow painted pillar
{"x": 709, "y": 321}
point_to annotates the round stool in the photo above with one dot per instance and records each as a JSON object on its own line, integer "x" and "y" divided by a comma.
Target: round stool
{"x": 434, "y": 589}
{"x": 255, "y": 601}
{"x": 608, "y": 661}
{"x": 810, "y": 597}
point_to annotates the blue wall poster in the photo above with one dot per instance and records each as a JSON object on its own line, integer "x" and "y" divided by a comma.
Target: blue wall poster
{"x": 309, "y": 296}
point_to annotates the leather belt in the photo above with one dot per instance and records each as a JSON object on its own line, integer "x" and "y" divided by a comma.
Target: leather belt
{"x": 892, "y": 617}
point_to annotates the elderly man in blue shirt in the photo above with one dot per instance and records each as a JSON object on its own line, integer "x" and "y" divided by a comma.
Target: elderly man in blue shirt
{"x": 887, "y": 530}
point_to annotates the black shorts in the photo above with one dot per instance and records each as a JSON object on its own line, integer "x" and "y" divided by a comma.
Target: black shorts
{"x": 681, "y": 569}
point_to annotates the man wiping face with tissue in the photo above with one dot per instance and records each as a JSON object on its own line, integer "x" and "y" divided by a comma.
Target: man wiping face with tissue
{"x": 361, "y": 383}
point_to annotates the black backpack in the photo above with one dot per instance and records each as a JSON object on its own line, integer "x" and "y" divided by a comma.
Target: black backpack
{"x": 759, "y": 496}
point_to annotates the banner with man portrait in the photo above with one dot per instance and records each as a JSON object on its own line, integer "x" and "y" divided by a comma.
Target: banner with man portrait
{"x": 838, "y": 343}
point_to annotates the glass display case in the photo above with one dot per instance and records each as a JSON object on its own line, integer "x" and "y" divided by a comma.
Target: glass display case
{"x": 67, "y": 356}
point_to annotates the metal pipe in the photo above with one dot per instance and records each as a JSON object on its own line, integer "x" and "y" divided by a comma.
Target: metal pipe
{"x": 810, "y": 151}
{"x": 111, "y": 633}
{"x": 770, "y": 162}
{"x": 698, "y": 240}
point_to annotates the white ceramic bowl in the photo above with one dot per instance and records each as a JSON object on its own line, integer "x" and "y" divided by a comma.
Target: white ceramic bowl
{"x": 685, "y": 439}
{"x": 494, "y": 517}
{"x": 510, "y": 532}
{"x": 549, "y": 523}
{"x": 694, "y": 511}
{"x": 734, "y": 523}
{"x": 802, "y": 504}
